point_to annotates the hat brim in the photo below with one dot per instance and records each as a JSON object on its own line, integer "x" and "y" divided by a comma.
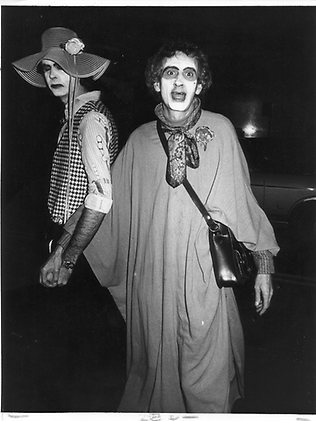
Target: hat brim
{"x": 82, "y": 65}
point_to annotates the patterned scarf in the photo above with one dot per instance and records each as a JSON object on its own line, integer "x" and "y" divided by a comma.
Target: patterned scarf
{"x": 182, "y": 145}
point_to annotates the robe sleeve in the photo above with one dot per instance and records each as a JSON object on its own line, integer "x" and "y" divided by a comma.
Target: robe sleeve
{"x": 231, "y": 199}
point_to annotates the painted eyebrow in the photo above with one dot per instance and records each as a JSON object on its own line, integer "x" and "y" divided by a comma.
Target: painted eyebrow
{"x": 175, "y": 67}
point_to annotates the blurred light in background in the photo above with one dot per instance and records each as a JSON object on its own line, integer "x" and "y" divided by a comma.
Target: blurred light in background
{"x": 251, "y": 117}
{"x": 249, "y": 130}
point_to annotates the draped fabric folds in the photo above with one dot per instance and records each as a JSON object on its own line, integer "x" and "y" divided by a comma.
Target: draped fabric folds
{"x": 184, "y": 337}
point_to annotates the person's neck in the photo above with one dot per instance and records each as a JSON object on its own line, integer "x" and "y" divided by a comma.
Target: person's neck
{"x": 176, "y": 118}
{"x": 80, "y": 90}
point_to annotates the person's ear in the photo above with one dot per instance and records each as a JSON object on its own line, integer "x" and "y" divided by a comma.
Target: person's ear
{"x": 157, "y": 86}
{"x": 198, "y": 88}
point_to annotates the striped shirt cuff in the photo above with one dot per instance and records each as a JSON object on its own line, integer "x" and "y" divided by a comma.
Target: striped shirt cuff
{"x": 264, "y": 261}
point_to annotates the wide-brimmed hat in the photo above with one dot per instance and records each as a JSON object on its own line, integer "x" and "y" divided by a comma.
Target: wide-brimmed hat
{"x": 62, "y": 46}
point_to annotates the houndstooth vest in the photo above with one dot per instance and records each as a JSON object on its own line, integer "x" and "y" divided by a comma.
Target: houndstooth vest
{"x": 78, "y": 182}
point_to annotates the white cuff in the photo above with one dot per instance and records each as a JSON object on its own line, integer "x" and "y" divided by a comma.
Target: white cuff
{"x": 98, "y": 203}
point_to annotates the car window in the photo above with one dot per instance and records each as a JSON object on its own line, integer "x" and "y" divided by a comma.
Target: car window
{"x": 275, "y": 155}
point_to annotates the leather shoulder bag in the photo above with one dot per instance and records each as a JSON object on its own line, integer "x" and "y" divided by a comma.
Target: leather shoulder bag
{"x": 233, "y": 263}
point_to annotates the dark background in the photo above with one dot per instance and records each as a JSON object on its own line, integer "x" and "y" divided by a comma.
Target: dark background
{"x": 261, "y": 54}
{"x": 64, "y": 351}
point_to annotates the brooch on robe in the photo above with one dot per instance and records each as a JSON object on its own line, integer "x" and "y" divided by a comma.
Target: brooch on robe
{"x": 203, "y": 135}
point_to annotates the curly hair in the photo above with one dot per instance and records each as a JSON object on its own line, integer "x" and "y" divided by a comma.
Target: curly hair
{"x": 153, "y": 71}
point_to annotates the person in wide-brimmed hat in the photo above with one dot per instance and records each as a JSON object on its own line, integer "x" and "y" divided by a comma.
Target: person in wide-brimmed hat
{"x": 88, "y": 140}
{"x": 62, "y": 46}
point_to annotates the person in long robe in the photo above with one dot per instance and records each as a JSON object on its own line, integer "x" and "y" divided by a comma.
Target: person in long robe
{"x": 185, "y": 349}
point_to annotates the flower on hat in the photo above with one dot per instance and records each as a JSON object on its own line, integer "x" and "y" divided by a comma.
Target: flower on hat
{"x": 74, "y": 46}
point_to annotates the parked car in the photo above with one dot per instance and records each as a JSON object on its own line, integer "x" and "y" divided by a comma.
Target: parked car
{"x": 285, "y": 187}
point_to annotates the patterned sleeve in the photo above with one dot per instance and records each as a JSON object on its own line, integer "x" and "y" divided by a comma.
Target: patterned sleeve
{"x": 264, "y": 261}
{"x": 95, "y": 139}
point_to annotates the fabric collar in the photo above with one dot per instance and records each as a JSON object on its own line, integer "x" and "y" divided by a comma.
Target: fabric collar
{"x": 81, "y": 100}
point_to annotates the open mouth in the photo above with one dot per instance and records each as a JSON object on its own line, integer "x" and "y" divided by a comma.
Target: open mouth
{"x": 178, "y": 96}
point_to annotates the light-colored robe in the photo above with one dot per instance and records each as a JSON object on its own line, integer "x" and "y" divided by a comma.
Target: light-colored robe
{"x": 185, "y": 349}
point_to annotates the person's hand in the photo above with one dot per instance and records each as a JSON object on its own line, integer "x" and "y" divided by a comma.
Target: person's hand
{"x": 49, "y": 272}
{"x": 64, "y": 275}
{"x": 263, "y": 292}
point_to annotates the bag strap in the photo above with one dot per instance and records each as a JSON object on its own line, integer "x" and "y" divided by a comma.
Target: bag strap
{"x": 197, "y": 201}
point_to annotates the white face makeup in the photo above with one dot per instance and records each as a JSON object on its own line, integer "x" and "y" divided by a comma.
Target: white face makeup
{"x": 178, "y": 84}
{"x": 57, "y": 80}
